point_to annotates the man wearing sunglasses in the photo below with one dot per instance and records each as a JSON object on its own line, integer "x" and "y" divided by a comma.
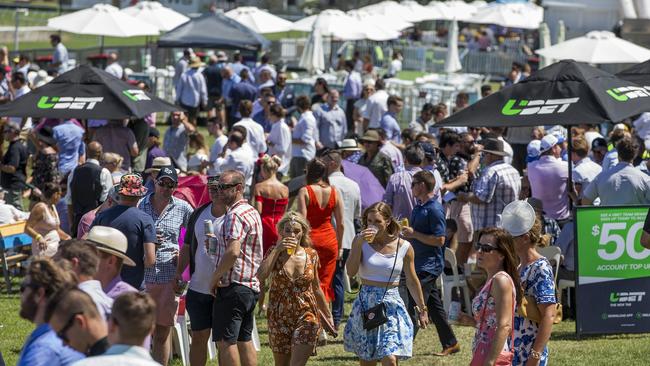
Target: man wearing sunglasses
{"x": 169, "y": 215}
{"x": 43, "y": 281}
{"x": 77, "y": 322}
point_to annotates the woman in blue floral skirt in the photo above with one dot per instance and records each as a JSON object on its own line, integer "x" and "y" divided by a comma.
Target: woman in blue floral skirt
{"x": 379, "y": 255}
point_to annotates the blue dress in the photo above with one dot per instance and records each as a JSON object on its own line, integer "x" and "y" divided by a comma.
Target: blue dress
{"x": 392, "y": 338}
{"x": 537, "y": 281}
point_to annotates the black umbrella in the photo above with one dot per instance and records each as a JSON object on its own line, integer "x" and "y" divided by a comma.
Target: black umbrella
{"x": 213, "y": 30}
{"x": 564, "y": 93}
{"x": 86, "y": 92}
{"x": 638, "y": 74}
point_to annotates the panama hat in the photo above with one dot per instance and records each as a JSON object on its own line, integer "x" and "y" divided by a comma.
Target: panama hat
{"x": 518, "y": 217}
{"x": 493, "y": 146}
{"x": 111, "y": 241}
{"x": 349, "y": 145}
{"x": 158, "y": 163}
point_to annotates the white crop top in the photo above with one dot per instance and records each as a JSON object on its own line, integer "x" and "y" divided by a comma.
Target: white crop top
{"x": 376, "y": 266}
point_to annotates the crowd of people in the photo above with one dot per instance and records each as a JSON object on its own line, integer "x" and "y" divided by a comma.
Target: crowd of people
{"x": 287, "y": 221}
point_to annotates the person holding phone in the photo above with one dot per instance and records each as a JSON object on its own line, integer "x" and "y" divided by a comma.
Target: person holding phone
{"x": 296, "y": 300}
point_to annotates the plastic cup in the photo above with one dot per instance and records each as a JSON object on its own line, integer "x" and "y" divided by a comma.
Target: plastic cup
{"x": 290, "y": 251}
{"x": 370, "y": 235}
{"x": 404, "y": 222}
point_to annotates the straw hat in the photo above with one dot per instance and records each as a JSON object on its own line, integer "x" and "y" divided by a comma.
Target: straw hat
{"x": 349, "y": 145}
{"x": 111, "y": 241}
{"x": 158, "y": 163}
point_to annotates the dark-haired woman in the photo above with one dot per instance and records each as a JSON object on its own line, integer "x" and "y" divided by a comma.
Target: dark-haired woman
{"x": 295, "y": 296}
{"x": 43, "y": 224}
{"x": 321, "y": 90}
{"x": 45, "y": 167}
{"x": 318, "y": 201}
{"x": 493, "y": 308}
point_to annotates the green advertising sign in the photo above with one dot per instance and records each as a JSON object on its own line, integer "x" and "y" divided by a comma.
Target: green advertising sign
{"x": 609, "y": 243}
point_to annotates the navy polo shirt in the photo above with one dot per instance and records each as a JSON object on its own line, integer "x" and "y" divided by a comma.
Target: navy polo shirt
{"x": 428, "y": 218}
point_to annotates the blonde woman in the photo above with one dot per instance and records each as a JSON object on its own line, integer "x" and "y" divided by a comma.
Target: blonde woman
{"x": 113, "y": 162}
{"x": 295, "y": 297}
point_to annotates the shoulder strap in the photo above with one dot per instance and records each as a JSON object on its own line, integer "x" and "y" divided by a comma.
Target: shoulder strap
{"x": 392, "y": 270}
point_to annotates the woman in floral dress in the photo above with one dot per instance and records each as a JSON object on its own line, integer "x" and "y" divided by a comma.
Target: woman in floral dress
{"x": 295, "y": 296}
{"x": 537, "y": 282}
{"x": 493, "y": 308}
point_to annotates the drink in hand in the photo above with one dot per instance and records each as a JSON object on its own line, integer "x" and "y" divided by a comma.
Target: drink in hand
{"x": 371, "y": 232}
{"x": 293, "y": 241}
{"x": 404, "y": 222}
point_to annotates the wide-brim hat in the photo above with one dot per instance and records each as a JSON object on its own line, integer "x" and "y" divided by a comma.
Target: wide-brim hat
{"x": 110, "y": 240}
{"x": 158, "y": 163}
{"x": 370, "y": 136}
{"x": 518, "y": 217}
{"x": 131, "y": 186}
{"x": 493, "y": 146}
{"x": 195, "y": 62}
{"x": 46, "y": 134}
{"x": 349, "y": 145}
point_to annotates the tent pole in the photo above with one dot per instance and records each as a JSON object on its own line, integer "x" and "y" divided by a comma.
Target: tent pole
{"x": 570, "y": 177}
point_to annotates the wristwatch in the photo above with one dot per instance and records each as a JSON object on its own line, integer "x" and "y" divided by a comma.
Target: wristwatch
{"x": 535, "y": 355}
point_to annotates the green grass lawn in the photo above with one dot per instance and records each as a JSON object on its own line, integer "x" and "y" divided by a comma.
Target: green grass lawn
{"x": 564, "y": 348}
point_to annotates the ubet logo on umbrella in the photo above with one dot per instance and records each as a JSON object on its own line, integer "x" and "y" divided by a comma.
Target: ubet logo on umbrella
{"x": 136, "y": 95}
{"x": 537, "y": 106}
{"x": 626, "y": 93}
{"x": 68, "y": 102}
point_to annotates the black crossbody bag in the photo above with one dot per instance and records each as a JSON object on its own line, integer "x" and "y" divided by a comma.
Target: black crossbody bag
{"x": 376, "y": 315}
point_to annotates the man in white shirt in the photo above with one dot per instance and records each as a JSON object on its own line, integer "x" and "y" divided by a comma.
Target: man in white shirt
{"x": 279, "y": 139}
{"x": 60, "y": 55}
{"x": 395, "y": 65}
{"x": 237, "y": 158}
{"x": 20, "y": 86}
{"x": 351, "y": 198}
{"x": 584, "y": 170}
{"x": 114, "y": 68}
{"x": 132, "y": 321}
{"x": 8, "y": 213}
{"x": 303, "y": 147}
{"x": 215, "y": 128}
{"x": 377, "y": 106}
{"x": 256, "y": 137}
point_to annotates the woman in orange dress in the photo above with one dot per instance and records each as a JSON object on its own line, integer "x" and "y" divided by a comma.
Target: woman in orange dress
{"x": 295, "y": 296}
{"x": 318, "y": 201}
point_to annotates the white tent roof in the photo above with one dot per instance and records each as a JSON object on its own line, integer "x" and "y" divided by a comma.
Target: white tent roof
{"x": 154, "y": 13}
{"x": 259, "y": 20}
{"x": 337, "y": 24}
{"x": 512, "y": 15}
{"x": 102, "y": 20}
{"x": 450, "y": 10}
{"x": 597, "y": 47}
{"x": 380, "y": 20}
{"x": 411, "y": 12}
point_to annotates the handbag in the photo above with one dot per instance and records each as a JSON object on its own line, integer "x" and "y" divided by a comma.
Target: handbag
{"x": 529, "y": 310}
{"x": 503, "y": 358}
{"x": 376, "y": 315}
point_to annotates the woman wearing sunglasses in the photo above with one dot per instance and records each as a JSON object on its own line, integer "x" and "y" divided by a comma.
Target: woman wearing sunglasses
{"x": 493, "y": 308}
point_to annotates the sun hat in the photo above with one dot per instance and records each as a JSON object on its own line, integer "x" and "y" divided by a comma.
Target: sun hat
{"x": 109, "y": 240}
{"x": 370, "y": 136}
{"x": 158, "y": 163}
{"x": 195, "y": 62}
{"x": 168, "y": 172}
{"x": 533, "y": 150}
{"x": 517, "y": 218}
{"x": 548, "y": 142}
{"x": 493, "y": 146}
{"x": 46, "y": 134}
{"x": 349, "y": 145}
{"x": 131, "y": 186}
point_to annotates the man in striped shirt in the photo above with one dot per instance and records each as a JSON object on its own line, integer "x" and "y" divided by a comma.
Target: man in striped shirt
{"x": 234, "y": 281}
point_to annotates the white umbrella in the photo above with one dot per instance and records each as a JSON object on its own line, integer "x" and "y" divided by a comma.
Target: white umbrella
{"x": 544, "y": 41}
{"x": 380, "y": 20}
{"x": 451, "y": 10}
{"x": 512, "y": 15}
{"x": 597, "y": 47}
{"x": 452, "y": 61}
{"x": 154, "y": 13}
{"x": 396, "y": 11}
{"x": 102, "y": 20}
{"x": 259, "y": 20}
{"x": 313, "y": 57}
{"x": 337, "y": 24}
{"x": 305, "y": 24}
{"x": 561, "y": 31}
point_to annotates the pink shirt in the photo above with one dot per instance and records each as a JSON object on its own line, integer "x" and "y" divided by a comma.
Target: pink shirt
{"x": 548, "y": 182}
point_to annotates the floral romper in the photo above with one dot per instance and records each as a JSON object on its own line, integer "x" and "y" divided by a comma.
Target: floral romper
{"x": 292, "y": 312}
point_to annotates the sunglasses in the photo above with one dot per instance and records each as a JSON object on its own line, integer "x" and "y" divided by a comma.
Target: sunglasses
{"x": 67, "y": 326}
{"x": 161, "y": 183}
{"x": 484, "y": 248}
{"x": 224, "y": 186}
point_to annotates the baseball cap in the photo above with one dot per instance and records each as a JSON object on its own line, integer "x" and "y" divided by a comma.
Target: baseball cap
{"x": 168, "y": 172}
{"x": 598, "y": 142}
{"x": 533, "y": 150}
{"x": 154, "y": 132}
{"x": 547, "y": 143}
